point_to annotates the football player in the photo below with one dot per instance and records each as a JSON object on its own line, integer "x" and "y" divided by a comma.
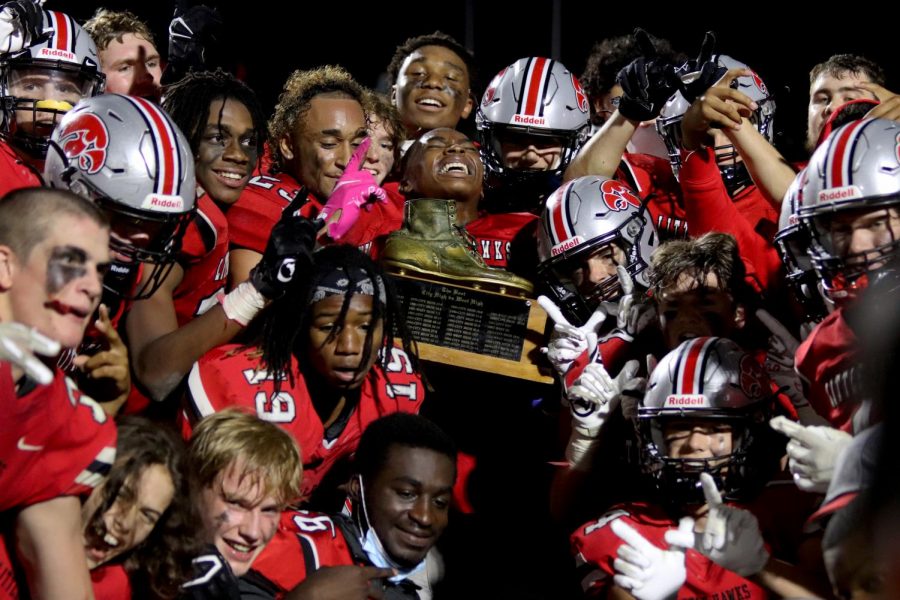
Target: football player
{"x": 399, "y": 500}
{"x": 320, "y": 362}
{"x": 56, "y": 442}
{"x": 128, "y": 54}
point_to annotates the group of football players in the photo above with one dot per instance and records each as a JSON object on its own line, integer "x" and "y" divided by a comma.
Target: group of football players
{"x": 210, "y": 389}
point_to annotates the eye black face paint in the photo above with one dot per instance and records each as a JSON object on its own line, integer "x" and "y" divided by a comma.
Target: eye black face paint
{"x": 66, "y": 264}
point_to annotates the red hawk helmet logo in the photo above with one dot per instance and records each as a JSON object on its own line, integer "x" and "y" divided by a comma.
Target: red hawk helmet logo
{"x": 84, "y": 139}
{"x": 617, "y": 195}
{"x": 754, "y": 380}
{"x": 759, "y": 82}
{"x": 492, "y": 88}
{"x": 580, "y": 96}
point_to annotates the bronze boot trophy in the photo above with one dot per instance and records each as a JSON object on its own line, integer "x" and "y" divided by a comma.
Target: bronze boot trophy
{"x": 431, "y": 245}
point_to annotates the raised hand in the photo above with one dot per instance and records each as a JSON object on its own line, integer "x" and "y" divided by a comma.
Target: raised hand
{"x": 108, "y": 366}
{"x": 812, "y": 452}
{"x": 732, "y": 537}
{"x": 633, "y": 316}
{"x": 647, "y": 82}
{"x": 356, "y": 188}
{"x": 19, "y": 344}
{"x": 568, "y": 342}
{"x": 648, "y": 572}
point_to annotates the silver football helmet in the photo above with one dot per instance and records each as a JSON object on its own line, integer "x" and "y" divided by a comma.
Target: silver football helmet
{"x": 853, "y": 173}
{"x": 668, "y": 124}
{"x": 531, "y": 98}
{"x": 580, "y": 218}
{"x": 708, "y": 380}
{"x": 792, "y": 242}
{"x": 127, "y": 155}
{"x": 41, "y": 83}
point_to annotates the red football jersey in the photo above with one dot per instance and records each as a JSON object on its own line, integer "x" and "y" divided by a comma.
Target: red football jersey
{"x": 54, "y": 441}
{"x": 502, "y": 237}
{"x": 595, "y": 545}
{"x": 305, "y": 542}
{"x": 204, "y": 258}
{"x": 828, "y": 361}
{"x": 232, "y": 376}
{"x": 14, "y": 172}
{"x": 749, "y": 217}
{"x": 252, "y": 217}
{"x": 652, "y": 179}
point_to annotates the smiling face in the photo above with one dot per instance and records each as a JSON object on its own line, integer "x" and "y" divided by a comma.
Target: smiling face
{"x": 227, "y": 152}
{"x": 445, "y": 165}
{"x": 381, "y": 155}
{"x": 337, "y": 349}
{"x": 132, "y": 66}
{"x": 322, "y": 141}
{"x": 240, "y": 516}
{"x": 408, "y": 501}
{"x": 139, "y": 505}
{"x": 57, "y": 287}
{"x": 432, "y": 89}
{"x": 827, "y": 93}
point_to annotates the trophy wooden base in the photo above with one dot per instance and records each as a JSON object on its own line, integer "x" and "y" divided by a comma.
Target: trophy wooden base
{"x": 454, "y": 324}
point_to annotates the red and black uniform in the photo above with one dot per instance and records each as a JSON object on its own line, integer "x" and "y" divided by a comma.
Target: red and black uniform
{"x": 259, "y": 208}
{"x": 15, "y": 173}
{"x": 749, "y": 216}
{"x": 652, "y": 180}
{"x": 204, "y": 258}
{"x": 306, "y": 542}
{"x": 506, "y": 240}
{"x": 595, "y": 547}
{"x": 232, "y": 376}
{"x": 828, "y": 360}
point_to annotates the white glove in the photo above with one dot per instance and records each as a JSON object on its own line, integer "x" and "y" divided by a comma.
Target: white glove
{"x": 21, "y": 25}
{"x": 648, "y": 572}
{"x": 732, "y": 537}
{"x": 812, "y": 452}
{"x": 632, "y": 315}
{"x": 592, "y": 398}
{"x": 568, "y": 342}
{"x": 19, "y": 344}
{"x": 779, "y": 364}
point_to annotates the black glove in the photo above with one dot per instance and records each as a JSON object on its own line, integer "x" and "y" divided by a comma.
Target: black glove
{"x": 192, "y": 32}
{"x": 705, "y": 66}
{"x": 30, "y": 18}
{"x": 647, "y": 82}
{"x": 288, "y": 251}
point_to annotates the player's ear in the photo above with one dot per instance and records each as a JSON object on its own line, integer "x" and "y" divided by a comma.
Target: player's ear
{"x": 740, "y": 316}
{"x": 7, "y": 267}
{"x": 467, "y": 109}
{"x": 287, "y": 147}
{"x": 354, "y": 488}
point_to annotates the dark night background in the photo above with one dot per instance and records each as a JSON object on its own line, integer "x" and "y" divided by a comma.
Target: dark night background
{"x": 265, "y": 41}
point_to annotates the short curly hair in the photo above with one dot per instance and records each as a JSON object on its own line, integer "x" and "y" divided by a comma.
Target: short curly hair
{"x": 609, "y": 56}
{"x": 378, "y": 107}
{"x": 438, "y": 38}
{"x": 298, "y": 91}
{"x": 108, "y": 25}
{"x": 840, "y": 64}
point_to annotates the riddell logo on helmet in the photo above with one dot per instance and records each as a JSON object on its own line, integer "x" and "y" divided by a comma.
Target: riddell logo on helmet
{"x": 528, "y": 120}
{"x": 57, "y": 53}
{"x": 163, "y": 203}
{"x": 840, "y": 193}
{"x": 685, "y": 400}
{"x": 566, "y": 245}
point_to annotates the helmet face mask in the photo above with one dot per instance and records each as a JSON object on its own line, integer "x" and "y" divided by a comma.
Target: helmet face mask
{"x": 712, "y": 385}
{"x": 533, "y": 100}
{"x": 734, "y": 173}
{"x": 127, "y": 156}
{"x": 853, "y": 189}
{"x": 41, "y": 83}
{"x": 579, "y": 220}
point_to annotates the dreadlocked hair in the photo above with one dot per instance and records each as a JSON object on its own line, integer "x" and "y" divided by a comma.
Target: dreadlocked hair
{"x": 282, "y": 328}
{"x": 188, "y": 102}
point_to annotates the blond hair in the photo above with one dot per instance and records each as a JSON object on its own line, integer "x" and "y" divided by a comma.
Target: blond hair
{"x": 263, "y": 451}
{"x": 108, "y": 25}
